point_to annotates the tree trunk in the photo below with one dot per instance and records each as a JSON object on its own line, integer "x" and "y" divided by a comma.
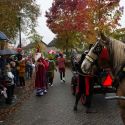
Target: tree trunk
{"x": 66, "y": 49}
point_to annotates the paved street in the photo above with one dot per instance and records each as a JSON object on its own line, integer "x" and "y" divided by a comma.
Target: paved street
{"x": 56, "y": 108}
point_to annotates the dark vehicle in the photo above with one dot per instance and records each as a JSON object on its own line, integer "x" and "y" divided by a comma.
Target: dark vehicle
{"x": 104, "y": 82}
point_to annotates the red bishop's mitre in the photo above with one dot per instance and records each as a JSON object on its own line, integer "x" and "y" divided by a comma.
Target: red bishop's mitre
{"x": 37, "y": 50}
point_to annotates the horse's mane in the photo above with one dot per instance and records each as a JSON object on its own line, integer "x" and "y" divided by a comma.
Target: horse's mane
{"x": 117, "y": 53}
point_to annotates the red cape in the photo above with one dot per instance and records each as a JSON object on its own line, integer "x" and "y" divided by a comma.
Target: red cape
{"x": 40, "y": 76}
{"x": 104, "y": 58}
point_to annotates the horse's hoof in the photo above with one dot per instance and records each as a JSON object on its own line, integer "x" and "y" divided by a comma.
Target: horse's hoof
{"x": 75, "y": 108}
{"x": 91, "y": 111}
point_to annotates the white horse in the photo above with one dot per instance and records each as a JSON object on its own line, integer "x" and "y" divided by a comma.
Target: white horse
{"x": 116, "y": 51}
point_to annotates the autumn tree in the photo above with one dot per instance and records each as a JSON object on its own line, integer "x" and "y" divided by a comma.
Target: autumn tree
{"x": 35, "y": 37}
{"x": 83, "y": 17}
{"x": 119, "y": 34}
{"x": 103, "y": 16}
{"x": 12, "y": 10}
{"x": 66, "y": 41}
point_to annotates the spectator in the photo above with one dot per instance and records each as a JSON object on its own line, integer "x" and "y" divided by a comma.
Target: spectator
{"x": 21, "y": 71}
{"x": 9, "y": 83}
{"x": 29, "y": 69}
{"x": 14, "y": 71}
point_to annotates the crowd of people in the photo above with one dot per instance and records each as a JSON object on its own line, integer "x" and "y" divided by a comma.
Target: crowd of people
{"x": 15, "y": 70}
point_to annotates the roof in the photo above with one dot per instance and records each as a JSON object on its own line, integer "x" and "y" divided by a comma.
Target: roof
{"x": 32, "y": 45}
{"x": 52, "y": 43}
{"x": 44, "y": 43}
{"x": 3, "y": 36}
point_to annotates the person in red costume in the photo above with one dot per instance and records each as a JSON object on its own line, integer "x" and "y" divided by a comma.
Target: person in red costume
{"x": 46, "y": 73}
{"x": 61, "y": 67}
{"x": 40, "y": 77}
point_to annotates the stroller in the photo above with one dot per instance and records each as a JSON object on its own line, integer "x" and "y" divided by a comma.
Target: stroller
{"x": 105, "y": 82}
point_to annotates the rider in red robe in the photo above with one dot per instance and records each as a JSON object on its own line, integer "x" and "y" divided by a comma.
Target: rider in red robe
{"x": 104, "y": 63}
{"x": 104, "y": 58}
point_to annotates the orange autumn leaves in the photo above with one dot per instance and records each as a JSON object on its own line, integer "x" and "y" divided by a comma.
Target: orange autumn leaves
{"x": 85, "y": 17}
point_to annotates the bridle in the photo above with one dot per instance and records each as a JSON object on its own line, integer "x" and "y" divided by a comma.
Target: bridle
{"x": 89, "y": 58}
{"x": 97, "y": 50}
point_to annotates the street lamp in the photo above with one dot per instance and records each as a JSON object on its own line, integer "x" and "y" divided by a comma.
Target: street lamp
{"x": 20, "y": 32}
{"x": 20, "y": 17}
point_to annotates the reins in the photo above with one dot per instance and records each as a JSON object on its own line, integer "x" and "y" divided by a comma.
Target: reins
{"x": 84, "y": 75}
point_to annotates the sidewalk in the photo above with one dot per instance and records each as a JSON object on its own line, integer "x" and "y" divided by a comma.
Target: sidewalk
{"x": 21, "y": 94}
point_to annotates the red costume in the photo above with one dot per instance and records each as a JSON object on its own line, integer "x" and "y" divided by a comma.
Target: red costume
{"x": 40, "y": 74}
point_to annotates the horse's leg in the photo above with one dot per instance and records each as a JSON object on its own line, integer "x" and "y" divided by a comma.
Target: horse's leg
{"x": 123, "y": 115}
{"x": 121, "y": 92}
{"x": 78, "y": 96}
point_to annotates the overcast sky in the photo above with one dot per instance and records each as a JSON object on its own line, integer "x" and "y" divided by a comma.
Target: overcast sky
{"x": 42, "y": 28}
{"x": 44, "y": 31}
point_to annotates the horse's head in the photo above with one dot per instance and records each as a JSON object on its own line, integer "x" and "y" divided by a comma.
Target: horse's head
{"x": 91, "y": 57}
